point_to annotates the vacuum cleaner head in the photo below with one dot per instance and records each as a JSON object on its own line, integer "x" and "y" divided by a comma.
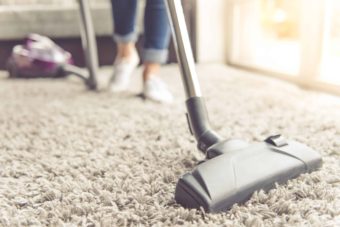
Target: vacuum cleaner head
{"x": 235, "y": 169}
{"x": 39, "y": 56}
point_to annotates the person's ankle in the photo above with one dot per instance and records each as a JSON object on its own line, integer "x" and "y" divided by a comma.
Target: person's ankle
{"x": 148, "y": 76}
{"x": 126, "y": 51}
{"x": 151, "y": 70}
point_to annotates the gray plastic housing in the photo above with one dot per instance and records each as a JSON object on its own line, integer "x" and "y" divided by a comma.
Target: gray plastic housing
{"x": 236, "y": 170}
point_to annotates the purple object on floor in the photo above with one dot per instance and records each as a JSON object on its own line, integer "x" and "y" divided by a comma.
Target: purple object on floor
{"x": 39, "y": 56}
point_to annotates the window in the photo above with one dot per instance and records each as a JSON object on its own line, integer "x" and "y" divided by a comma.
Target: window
{"x": 267, "y": 35}
{"x": 330, "y": 67}
{"x": 297, "y": 40}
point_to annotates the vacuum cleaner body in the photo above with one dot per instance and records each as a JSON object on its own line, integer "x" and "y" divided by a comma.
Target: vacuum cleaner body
{"x": 233, "y": 169}
{"x": 39, "y": 56}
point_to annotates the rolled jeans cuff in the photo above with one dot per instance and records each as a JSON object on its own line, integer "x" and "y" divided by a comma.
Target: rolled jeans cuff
{"x": 128, "y": 38}
{"x": 155, "y": 55}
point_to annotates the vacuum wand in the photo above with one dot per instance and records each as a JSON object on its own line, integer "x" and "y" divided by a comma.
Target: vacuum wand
{"x": 183, "y": 48}
{"x": 197, "y": 114}
{"x": 89, "y": 44}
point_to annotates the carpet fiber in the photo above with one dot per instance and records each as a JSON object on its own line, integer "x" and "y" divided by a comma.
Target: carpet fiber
{"x": 71, "y": 157}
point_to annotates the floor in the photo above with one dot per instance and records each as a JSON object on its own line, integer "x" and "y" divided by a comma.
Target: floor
{"x": 72, "y": 157}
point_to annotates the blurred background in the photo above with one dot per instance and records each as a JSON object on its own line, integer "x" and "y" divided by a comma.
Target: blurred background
{"x": 297, "y": 41}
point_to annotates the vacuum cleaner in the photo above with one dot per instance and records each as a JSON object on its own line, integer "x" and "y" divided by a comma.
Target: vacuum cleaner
{"x": 233, "y": 169}
{"x": 39, "y": 56}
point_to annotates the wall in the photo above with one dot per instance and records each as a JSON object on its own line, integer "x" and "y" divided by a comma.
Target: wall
{"x": 212, "y": 26}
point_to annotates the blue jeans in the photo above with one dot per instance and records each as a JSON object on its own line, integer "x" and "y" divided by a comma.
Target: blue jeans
{"x": 156, "y": 27}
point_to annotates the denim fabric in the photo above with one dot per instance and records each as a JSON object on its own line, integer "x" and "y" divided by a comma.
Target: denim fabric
{"x": 156, "y": 27}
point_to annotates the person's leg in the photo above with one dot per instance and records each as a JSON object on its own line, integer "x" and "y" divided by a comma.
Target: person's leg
{"x": 155, "y": 52}
{"x": 124, "y": 17}
{"x": 157, "y": 36}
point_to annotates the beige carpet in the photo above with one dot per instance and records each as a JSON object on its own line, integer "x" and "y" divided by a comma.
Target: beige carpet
{"x": 70, "y": 157}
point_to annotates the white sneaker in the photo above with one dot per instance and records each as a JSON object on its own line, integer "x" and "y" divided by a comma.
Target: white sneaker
{"x": 155, "y": 89}
{"x": 123, "y": 69}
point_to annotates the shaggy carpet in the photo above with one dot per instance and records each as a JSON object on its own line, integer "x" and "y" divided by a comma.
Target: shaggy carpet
{"x": 69, "y": 157}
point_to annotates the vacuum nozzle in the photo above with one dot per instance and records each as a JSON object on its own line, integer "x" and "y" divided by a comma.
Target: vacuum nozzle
{"x": 234, "y": 172}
